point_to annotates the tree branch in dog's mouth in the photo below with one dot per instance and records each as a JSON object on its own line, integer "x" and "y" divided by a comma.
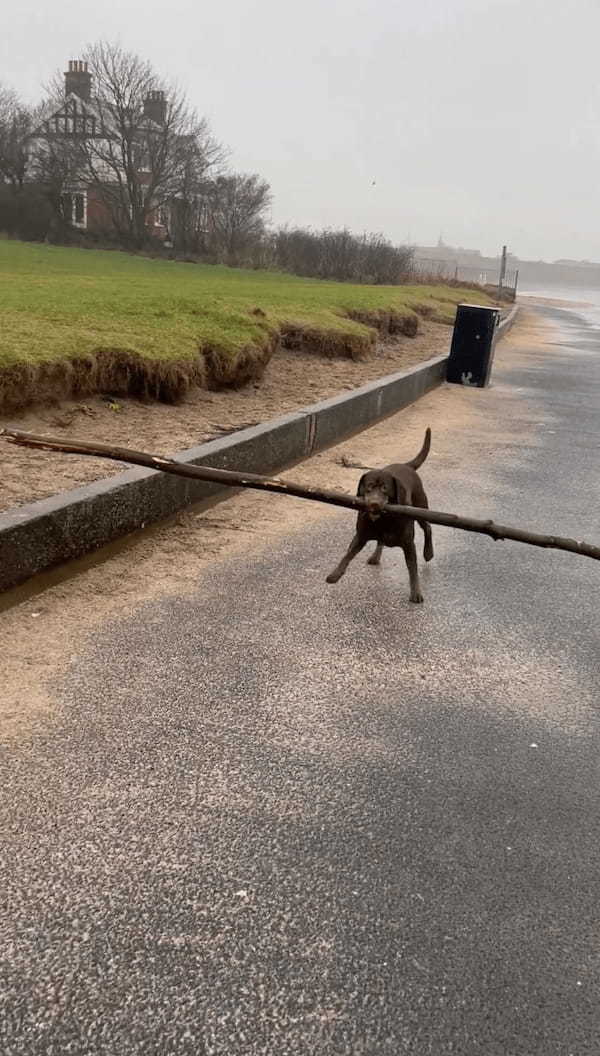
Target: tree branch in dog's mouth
{"x": 275, "y": 484}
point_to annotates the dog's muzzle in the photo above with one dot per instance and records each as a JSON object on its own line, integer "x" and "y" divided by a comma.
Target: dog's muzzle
{"x": 374, "y": 509}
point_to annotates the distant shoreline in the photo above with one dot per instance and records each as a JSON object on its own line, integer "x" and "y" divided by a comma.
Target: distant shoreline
{"x": 532, "y": 298}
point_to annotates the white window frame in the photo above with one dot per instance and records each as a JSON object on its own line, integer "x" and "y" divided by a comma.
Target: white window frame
{"x": 163, "y": 216}
{"x": 82, "y": 224}
{"x": 72, "y": 195}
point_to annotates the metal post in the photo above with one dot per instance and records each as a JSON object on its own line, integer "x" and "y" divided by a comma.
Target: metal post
{"x": 502, "y": 269}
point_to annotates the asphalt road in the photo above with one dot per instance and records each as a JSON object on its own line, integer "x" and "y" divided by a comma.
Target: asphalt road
{"x": 282, "y": 818}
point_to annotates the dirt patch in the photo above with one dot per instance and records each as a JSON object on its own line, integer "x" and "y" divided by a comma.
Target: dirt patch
{"x": 292, "y": 380}
{"x": 532, "y": 333}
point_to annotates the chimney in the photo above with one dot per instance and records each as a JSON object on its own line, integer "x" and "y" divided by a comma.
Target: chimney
{"x": 78, "y": 80}
{"x": 155, "y": 107}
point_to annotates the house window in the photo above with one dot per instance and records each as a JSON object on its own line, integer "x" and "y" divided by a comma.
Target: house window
{"x": 74, "y": 208}
{"x": 78, "y": 208}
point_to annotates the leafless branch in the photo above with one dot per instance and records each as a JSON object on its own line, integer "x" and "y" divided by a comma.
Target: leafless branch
{"x": 285, "y": 487}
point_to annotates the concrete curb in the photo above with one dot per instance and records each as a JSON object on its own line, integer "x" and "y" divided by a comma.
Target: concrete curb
{"x": 506, "y": 323}
{"x": 44, "y": 534}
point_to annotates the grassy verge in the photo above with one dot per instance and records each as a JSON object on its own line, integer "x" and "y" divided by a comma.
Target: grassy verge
{"x": 74, "y": 322}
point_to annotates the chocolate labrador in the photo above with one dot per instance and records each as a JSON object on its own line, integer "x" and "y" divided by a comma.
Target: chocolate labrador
{"x": 399, "y": 485}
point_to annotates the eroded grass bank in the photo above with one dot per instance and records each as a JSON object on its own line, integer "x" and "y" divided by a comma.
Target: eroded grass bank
{"x": 75, "y": 322}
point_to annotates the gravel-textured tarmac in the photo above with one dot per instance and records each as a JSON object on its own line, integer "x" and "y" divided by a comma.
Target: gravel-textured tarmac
{"x": 277, "y": 817}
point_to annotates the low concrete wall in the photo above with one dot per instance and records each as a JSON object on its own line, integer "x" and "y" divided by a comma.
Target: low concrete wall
{"x": 341, "y": 416}
{"x": 506, "y": 322}
{"x": 42, "y": 535}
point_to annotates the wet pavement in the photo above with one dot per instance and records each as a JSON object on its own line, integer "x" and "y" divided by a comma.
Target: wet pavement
{"x": 282, "y": 818}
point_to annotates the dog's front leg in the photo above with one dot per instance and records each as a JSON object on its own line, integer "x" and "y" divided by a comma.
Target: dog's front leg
{"x": 375, "y": 557}
{"x": 355, "y": 548}
{"x": 428, "y": 549}
{"x": 410, "y": 554}
{"x": 421, "y": 500}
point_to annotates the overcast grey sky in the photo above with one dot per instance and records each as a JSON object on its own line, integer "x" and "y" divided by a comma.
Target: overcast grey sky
{"x": 479, "y": 119}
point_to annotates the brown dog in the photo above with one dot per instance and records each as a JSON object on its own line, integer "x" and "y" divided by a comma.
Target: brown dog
{"x": 399, "y": 485}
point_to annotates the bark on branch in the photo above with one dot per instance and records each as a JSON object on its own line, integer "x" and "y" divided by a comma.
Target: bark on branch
{"x": 286, "y": 487}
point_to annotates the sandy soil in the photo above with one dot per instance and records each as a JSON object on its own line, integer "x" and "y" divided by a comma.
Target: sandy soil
{"x": 47, "y": 622}
{"x": 292, "y": 380}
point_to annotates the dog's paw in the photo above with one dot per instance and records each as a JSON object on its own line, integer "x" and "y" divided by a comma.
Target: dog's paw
{"x": 374, "y": 560}
{"x": 332, "y": 578}
{"x": 418, "y": 599}
{"x": 428, "y": 554}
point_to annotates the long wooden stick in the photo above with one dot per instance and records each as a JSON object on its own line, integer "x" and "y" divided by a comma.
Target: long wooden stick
{"x": 286, "y": 487}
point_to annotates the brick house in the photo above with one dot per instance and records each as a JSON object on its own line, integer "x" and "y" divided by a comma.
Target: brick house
{"x": 78, "y": 116}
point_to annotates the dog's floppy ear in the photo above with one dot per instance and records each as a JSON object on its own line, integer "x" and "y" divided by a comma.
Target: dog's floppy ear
{"x": 361, "y": 486}
{"x": 393, "y": 489}
{"x": 400, "y": 495}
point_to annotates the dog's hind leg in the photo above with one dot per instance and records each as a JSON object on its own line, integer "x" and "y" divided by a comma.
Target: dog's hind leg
{"x": 375, "y": 557}
{"x": 355, "y": 548}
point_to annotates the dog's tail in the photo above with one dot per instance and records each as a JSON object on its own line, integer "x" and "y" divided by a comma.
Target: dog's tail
{"x": 420, "y": 458}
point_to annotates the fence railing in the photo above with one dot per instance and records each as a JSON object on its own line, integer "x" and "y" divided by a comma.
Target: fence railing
{"x": 453, "y": 269}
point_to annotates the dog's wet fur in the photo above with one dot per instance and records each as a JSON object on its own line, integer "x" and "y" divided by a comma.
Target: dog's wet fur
{"x": 400, "y": 485}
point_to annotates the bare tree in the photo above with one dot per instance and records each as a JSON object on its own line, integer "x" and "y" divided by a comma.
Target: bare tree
{"x": 54, "y": 170}
{"x": 190, "y": 202}
{"x": 236, "y": 205}
{"x": 15, "y": 127}
{"x": 137, "y": 140}
{"x": 150, "y": 141}
{"x": 24, "y": 208}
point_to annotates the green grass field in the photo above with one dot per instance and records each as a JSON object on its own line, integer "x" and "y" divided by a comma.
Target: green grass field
{"x": 73, "y": 321}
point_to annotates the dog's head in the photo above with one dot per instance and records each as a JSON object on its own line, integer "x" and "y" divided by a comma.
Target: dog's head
{"x": 377, "y": 488}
